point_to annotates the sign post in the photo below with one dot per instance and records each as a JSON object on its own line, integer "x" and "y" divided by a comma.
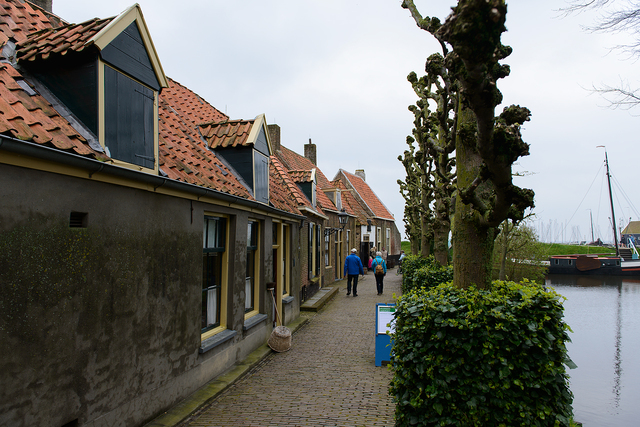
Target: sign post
{"x": 384, "y": 323}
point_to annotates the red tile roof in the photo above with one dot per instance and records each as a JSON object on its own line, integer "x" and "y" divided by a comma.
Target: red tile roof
{"x": 32, "y": 118}
{"x": 228, "y": 133}
{"x": 350, "y": 204}
{"x": 60, "y": 41}
{"x": 184, "y": 155}
{"x": 19, "y": 19}
{"x": 284, "y": 194}
{"x": 301, "y": 176}
{"x": 367, "y": 195}
{"x": 295, "y": 162}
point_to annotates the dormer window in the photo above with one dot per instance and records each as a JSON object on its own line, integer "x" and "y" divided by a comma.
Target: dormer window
{"x": 306, "y": 180}
{"x": 106, "y": 76}
{"x": 129, "y": 112}
{"x": 244, "y": 147}
{"x": 335, "y": 196}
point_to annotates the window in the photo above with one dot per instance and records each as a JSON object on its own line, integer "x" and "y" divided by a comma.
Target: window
{"x": 251, "y": 280}
{"x": 327, "y": 237}
{"x": 387, "y": 243}
{"x": 213, "y": 273}
{"x": 129, "y": 119}
{"x": 285, "y": 260}
{"x": 337, "y": 254}
{"x": 379, "y": 238}
{"x": 348, "y": 240}
{"x": 317, "y": 256}
{"x": 310, "y": 254}
{"x": 261, "y": 177}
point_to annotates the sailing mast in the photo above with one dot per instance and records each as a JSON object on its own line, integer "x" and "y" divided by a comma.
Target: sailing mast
{"x": 613, "y": 216}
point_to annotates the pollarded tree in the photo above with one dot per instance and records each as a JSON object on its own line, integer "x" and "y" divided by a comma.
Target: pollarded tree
{"x": 486, "y": 145}
{"x": 410, "y": 189}
{"x": 438, "y": 134}
{"x": 417, "y": 191}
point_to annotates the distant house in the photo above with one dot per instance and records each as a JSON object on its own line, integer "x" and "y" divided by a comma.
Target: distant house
{"x": 631, "y": 233}
{"x": 325, "y": 242}
{"x": 379, "y": 231}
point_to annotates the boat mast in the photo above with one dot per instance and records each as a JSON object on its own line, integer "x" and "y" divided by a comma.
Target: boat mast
{"x": 613, "y": 216}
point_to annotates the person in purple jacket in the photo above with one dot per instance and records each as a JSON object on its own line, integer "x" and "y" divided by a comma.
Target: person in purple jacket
{"x": 352, "y": 268}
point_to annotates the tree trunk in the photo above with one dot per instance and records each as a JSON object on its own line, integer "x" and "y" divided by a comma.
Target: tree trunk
{"x": 441, "y": 228}
{"x": 472, "y": 241}
{"x": 425, "y": 244}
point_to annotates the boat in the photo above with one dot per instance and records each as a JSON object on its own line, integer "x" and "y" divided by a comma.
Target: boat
{"x": 594, "y": 264}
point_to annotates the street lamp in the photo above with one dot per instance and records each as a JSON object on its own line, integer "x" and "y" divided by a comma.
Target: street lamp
{"x": 343, "y": 217}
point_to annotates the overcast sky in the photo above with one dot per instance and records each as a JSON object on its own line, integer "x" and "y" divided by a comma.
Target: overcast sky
{"x": 335, "y": 71}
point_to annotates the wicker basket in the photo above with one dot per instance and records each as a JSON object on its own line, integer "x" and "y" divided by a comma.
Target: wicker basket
{"x": 280, "y": 339}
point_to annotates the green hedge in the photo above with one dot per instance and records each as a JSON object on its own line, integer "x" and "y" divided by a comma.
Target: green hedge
{"x": 470, "y": 357}
{"x": 420, "y": 272}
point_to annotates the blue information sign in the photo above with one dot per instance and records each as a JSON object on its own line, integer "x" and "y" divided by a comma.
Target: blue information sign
{"x": 385, "y": 324}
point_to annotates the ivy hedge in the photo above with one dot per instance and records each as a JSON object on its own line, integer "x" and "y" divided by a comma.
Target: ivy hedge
{"x": 472, "y": 357}
{"x": 423, "y": 272}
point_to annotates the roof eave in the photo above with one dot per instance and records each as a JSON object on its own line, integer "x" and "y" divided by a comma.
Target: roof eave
{"x": 118, "y": 25}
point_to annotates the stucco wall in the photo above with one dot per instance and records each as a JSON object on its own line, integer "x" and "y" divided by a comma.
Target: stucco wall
{"x": 102, "y": 324}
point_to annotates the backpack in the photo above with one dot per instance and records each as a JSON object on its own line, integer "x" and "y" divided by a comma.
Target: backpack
{"x": 379, "y": 269}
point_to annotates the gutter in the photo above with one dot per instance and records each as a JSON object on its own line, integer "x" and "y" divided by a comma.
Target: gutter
{"x": 30, "y": 149}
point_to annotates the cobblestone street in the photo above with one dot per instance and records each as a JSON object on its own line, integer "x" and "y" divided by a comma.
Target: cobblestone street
{"x": 328, "y": 378}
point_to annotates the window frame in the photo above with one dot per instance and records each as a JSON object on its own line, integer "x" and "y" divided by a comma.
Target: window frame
{"x": 221, "y": 324}
{"x": 102, "y": 118}
{"x": 252, "y": 266}
{"x": 327, "y": 250}
{"x": 387, "y": 244}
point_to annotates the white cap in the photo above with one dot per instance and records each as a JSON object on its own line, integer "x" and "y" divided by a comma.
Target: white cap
{"x": 354, "y": 250}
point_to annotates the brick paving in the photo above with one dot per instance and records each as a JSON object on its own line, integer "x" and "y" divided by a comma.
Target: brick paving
{"x": 328, "y": 378}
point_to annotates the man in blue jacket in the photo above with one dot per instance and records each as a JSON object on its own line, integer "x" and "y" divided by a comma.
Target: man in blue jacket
{"x": 352, "y": 268}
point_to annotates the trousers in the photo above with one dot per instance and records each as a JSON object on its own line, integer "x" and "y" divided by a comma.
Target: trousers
{"x": 379, "y": 284}
{"x": 354, "y": 278}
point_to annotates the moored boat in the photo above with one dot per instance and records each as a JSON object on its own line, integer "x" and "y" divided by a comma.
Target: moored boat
{"x": 593, "y": 264}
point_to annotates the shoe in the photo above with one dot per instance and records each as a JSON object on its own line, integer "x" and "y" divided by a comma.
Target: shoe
{"x": 355, "y": 295}
{"x": 348, "y": 293}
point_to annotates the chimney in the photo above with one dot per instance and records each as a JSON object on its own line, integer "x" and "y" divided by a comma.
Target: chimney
{"x": 274, "y": 137}
{"x": 310, "y": 152}
{"x": 44, "y": 4}
{"x": 360, "y": 173}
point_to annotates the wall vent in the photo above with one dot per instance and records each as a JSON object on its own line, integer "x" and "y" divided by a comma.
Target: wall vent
{"x": 78, "y": 220}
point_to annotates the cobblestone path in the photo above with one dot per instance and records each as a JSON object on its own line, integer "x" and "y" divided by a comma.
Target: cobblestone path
{"x": 328, "y": 378}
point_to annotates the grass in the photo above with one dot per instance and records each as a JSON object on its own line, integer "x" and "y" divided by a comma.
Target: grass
{"x": 550, "y": 249}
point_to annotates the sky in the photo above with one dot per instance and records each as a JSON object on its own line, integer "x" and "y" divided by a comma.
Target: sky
{"x": 334, "y": 71}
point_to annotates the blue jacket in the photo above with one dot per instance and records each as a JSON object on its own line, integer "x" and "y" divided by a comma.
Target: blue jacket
{"x": 353, "y": 265}
{"x": 376, "y": 261}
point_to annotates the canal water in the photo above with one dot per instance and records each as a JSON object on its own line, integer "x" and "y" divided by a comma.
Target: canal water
{"x": 604, "y": 314}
